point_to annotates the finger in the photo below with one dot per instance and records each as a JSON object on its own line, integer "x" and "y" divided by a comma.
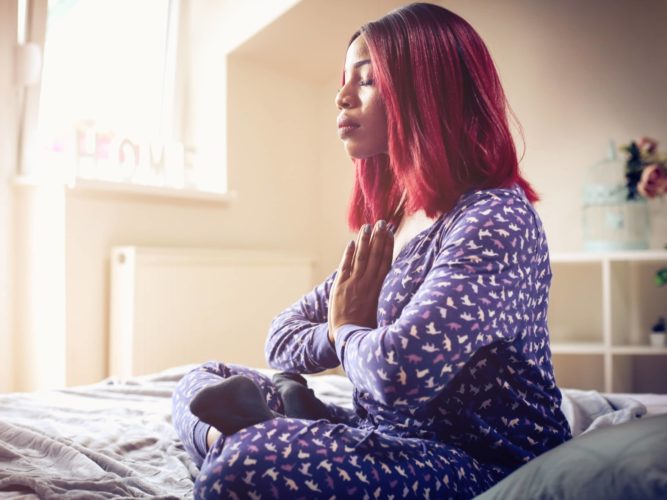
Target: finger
{"x": 360, "y": 260}
{"x": 376, "y": 253}
{"x": 345, "y": 267}
{"x": 388, "y": 255}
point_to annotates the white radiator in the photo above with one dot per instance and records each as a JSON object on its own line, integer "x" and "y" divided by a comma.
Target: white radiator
{"x": 174, "y": 306}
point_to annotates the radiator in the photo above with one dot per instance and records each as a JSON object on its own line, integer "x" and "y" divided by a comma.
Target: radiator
{"x": 176, "y": 306}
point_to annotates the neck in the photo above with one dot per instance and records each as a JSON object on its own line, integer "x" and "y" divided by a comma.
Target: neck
{"x": 409, "y": 227}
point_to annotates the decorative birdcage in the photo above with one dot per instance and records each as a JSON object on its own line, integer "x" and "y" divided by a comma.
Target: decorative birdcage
{"x": 612, "y": 220}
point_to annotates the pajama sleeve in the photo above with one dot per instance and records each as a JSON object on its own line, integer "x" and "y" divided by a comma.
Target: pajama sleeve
{"x": 476, "y": 294}
{"x": 298, "y": 338}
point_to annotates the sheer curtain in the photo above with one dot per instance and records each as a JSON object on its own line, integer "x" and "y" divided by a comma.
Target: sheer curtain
{"x": 8, "y": 126}
{"x": 32, "y": 222}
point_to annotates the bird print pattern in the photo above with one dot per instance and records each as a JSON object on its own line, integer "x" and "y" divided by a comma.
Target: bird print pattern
{"x": 453, "y": 389}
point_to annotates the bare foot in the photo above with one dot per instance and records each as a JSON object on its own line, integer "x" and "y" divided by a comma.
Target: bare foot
{"x": 211, "y": 437}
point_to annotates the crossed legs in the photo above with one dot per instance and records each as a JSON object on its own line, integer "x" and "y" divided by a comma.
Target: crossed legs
{"x": 218, "y": 399}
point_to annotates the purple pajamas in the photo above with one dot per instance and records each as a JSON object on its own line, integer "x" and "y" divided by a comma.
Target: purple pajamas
{"x": 457, "y": 376}
{"x": 284, "y": 457}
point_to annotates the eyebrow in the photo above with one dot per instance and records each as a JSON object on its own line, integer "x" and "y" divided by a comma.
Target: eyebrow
{"x": 358, "y": 64}
{"x": 361, "y": 63}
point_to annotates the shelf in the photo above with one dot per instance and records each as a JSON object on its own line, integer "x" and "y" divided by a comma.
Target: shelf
{"x": 577, "y": 348}
{"x": 639, "y": 350}
{"x": 628, "y": 255}
{"x": 602, "y": 306}
{"x": 599, "y": 348}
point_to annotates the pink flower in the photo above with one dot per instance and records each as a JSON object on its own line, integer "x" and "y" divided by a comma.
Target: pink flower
{"x": 653, "y": 181}
{"x": 647, "y": 146}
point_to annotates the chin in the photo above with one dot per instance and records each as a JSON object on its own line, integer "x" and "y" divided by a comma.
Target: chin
{"x": 356, "y": 156}
{"x": 356, "y": 153}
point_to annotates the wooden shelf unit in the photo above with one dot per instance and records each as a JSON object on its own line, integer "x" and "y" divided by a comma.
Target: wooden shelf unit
{"x": 601, "y": 309}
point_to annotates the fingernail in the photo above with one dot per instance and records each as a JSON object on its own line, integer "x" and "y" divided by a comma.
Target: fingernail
{"x": 382, "y": 224}
{"x": 367, "y": 228}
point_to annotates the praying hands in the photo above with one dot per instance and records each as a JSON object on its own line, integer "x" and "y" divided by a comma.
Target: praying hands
{"x": 356, "y": 289}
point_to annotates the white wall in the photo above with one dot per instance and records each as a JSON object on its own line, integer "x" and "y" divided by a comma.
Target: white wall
{"x": 334, "y": 183}
{"x": 576, "y": 73}
{"x": 38, "y": 299}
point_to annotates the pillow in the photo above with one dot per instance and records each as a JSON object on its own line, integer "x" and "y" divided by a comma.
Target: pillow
{"x": 624, "y": 462}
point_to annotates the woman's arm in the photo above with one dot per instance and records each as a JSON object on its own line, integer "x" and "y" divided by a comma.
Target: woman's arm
{"x": 298, "y": 336}
{"x": 478, "y": 292}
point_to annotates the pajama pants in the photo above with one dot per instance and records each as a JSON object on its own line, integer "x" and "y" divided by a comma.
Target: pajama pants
{"x": 337, "y": 458}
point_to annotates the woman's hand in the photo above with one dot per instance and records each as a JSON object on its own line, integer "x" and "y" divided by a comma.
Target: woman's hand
{"x": 356, "y": 289}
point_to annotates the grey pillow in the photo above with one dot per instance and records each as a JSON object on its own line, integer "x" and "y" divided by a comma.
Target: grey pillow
{"x": 624, "y": 462}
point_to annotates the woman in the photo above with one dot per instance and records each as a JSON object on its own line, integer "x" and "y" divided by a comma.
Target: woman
{"x": 438, "y": 317}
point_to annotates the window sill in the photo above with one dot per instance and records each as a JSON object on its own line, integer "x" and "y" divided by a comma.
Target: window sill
{"x": 86, "y": 186}
{"x": 104, "y": 189}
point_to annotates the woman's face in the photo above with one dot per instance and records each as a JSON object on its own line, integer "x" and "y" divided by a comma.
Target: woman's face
{"x": 362, "y": 121}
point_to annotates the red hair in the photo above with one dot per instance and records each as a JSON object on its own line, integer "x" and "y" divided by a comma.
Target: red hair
{"x": 447, "y": 117}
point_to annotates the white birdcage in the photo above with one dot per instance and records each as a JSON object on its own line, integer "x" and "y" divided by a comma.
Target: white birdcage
{"x": 611, "y": 221}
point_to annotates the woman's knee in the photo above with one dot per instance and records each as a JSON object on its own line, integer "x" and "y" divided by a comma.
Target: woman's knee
{"x": 250, "y": 459}
{"x": 232, "y": 468}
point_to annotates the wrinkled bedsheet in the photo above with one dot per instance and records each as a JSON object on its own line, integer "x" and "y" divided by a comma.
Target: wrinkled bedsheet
{"x": 114, "y": 439}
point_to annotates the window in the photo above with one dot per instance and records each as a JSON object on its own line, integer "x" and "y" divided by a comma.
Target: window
{"x": 109, "y": 94}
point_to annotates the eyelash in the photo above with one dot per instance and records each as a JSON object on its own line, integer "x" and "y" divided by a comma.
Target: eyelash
{"x": 363, "y": 83}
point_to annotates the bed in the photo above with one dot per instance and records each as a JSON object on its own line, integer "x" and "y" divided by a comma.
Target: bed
{"x": 114, "y": 439}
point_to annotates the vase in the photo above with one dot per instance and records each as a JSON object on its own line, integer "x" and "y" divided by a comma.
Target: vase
{"x": 659, "y": 339}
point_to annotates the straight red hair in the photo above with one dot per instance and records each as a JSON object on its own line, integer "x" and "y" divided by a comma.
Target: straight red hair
{"x": 447, "y": 118}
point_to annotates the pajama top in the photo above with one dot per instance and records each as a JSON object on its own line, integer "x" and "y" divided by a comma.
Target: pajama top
{"x": 461, "y": 350}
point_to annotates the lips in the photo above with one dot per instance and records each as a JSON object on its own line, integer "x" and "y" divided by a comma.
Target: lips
{"x": 346, "y": 127}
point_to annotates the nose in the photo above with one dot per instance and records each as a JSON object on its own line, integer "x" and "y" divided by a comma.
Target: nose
{"x": 344, "y": 99}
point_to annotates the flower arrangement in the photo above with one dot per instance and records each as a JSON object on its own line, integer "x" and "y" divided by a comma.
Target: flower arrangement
{"x": 645, "y": 169}
{"x": 659, "y": 326}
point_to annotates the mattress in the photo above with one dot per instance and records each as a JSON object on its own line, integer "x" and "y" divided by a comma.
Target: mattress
{"x": 115, "y": 439}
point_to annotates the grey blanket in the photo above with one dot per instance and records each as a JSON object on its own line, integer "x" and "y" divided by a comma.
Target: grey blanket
{"x": 114, "y": 439}
{"x": 108, "y": 440}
